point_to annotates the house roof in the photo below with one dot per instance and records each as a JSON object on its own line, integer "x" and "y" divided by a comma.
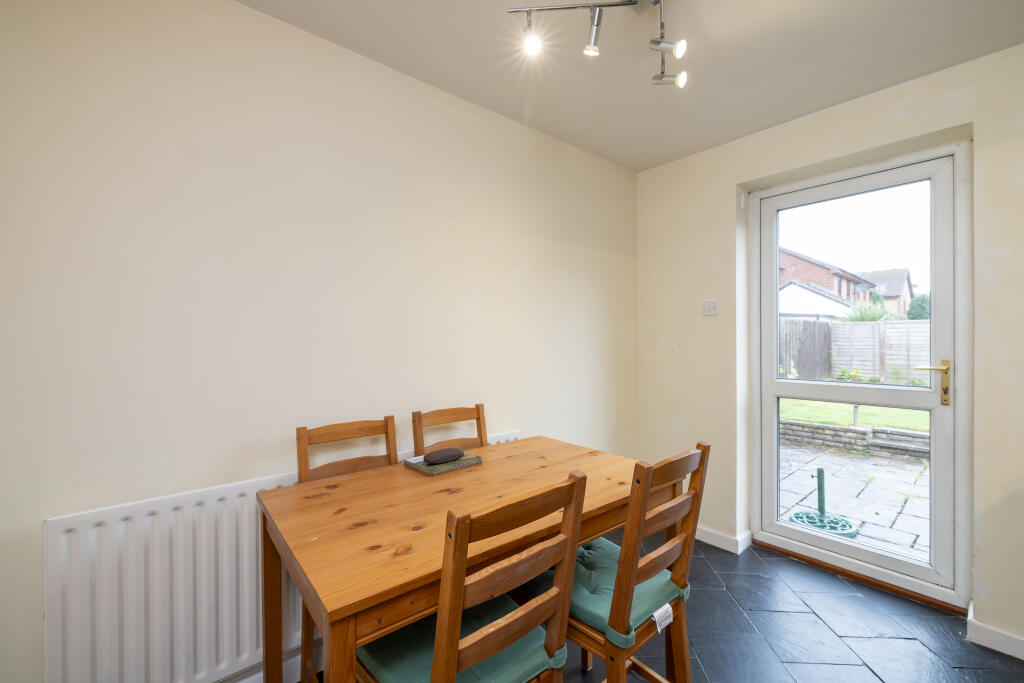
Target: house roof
{"x": 892, "y": 282}
{"x": 835, "y": 269}
{"x": 802, "y": 299}
{"x": 817, "y": 289}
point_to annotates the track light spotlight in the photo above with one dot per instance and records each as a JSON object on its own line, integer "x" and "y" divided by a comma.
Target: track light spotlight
{"x": 591, "y": 50}
{"x": 531, "y": 41}
{"x": 677, "y": 49}
{"x": 670, "y": 79}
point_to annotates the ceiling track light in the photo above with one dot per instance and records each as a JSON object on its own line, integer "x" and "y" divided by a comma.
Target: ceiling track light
{"x": 666, "y": 47}
{"x": 532, "y": 42}
{"x": 591, "y": 50}
{"x": 676, "y": 49}
{"x": 678, "y": 80}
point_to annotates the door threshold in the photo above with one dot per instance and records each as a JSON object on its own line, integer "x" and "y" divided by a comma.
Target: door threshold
{"x": 866, "y": 580}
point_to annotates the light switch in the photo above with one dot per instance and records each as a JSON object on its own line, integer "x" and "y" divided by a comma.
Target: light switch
{"x": 709, "y": 307}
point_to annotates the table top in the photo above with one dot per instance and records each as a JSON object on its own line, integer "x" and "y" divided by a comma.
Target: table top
{"x": 362, "y": 538}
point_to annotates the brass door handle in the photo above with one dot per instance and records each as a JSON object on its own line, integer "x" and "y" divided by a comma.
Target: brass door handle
{"x": 944, "y": 368}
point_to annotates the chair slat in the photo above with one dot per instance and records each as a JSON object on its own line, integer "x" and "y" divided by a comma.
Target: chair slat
{"x": 447, "y": 415}
{"x": 667, "y": 513}
{"x": 675, "y": 468}
{"x": 348, "y": 465}
{"x": 346, "y": 430}
{"x": 343, "y": 431}
{"x": 499, "y": 634}
{"x": 501, "y": 577}
{"x": 520, "y": 511}
{"x": 662, "y": 558}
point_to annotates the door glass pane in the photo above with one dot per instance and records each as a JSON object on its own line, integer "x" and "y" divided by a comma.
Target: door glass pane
{"x": 857, "y": 473}
{"x": 854, "y": 285}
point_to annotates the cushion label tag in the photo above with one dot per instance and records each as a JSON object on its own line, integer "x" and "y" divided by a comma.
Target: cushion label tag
{"x": 662, "y": 616}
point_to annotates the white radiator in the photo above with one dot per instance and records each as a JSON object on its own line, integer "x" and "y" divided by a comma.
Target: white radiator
{"x": 166, "y": 590}
{"x": 162, "y": 590}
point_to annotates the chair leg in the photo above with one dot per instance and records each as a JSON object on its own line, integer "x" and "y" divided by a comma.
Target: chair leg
{"x": 586, "y": 659}
{"x": 306, "y": 656}
{"x": 615, "y": 665}
{"x": 677, "y": 647}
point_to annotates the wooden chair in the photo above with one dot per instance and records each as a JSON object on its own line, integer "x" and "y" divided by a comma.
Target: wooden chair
{"x": 615, "y": 624}
{"x": 477, "y": 625}
{"x": 343, "y": 431}
{"x": 449, "y": 416}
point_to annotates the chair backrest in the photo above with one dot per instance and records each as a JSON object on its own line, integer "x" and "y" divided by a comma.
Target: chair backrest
{"x": 449, "y": 416}
{"x": 677, "y": 516}
{"x": 343, "y": 431}
{"x": 460, "y": 591}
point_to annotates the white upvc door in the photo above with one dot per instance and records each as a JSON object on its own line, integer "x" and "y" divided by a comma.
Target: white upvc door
{"x": 829, "y": 226}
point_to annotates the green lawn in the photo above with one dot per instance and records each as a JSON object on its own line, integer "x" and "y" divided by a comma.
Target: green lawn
{"x": 842, "y": 414}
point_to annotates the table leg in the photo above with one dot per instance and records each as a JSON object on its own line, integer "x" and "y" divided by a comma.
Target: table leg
{"x": 340, "y": 647}
{"x": 273, "y": 643}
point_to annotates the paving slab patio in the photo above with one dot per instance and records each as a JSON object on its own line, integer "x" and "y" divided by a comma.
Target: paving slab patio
{"x": 886, "y": 497}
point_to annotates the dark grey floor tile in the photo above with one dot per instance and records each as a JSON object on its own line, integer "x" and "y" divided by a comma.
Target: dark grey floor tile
{"x": 615, "y": 537}
{"x": 946, "y": 636}
{"x": 831, "y": 673}
{"x": 652, "y": 542}
{"x": 802, "y": 638}
{"x": 702, "y": 575}
{"x": 853, "y": 615}
{"x": 715, "y": 611}
{"x": 989, "y": 676}
{"x": 724, "y": 561}
{"x": 902, "y": 661}
{"x": 572, "y": 673}
{"x": 738, "y": 658}
{"x": 766, "y": 554}
{"x": 697, "y": 672}
{"x": 894, "y": 604}
{"x": 763, "y": 592}
{"x": 654, "y": 649}
{"x": 653, "y": 655}
{"x": 803, "y": 578}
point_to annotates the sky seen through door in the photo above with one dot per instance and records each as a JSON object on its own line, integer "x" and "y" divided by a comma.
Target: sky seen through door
{"x": 878, "y": 230}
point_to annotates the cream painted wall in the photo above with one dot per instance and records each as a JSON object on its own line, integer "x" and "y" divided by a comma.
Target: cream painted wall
{"x": 215, "y": 227}
{"x": 687, "y": 250}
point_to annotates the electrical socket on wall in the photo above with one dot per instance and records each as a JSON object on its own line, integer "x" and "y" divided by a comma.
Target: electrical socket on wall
{"x": 709, "y": 307}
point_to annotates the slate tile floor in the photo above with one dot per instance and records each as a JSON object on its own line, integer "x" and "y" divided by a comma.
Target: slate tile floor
{"x": 760, "y": 617}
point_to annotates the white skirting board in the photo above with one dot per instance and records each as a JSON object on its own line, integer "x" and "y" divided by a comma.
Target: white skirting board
{"x": 734, "y": 544}
{"x": 993, "y": 638}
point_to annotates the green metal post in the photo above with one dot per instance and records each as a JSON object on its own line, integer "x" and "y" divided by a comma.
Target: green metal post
{"x": 821, "y": 491}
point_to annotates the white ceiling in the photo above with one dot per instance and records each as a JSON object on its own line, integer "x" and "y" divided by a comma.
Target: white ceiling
{"x": 752, "y": 64}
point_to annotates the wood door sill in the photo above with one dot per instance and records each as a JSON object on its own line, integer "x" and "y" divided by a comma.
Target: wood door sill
{"x": 867, "y": 580}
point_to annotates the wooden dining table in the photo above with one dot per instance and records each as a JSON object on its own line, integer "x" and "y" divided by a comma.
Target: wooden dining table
{"x": 365, "y": 549}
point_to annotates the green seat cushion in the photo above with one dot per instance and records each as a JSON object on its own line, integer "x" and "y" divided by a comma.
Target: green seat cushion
{"x": 593, "y": 584}
{"x": 406, "y": 655}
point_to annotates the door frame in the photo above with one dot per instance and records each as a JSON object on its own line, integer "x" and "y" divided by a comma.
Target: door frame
{"x": 963, "y": 324}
